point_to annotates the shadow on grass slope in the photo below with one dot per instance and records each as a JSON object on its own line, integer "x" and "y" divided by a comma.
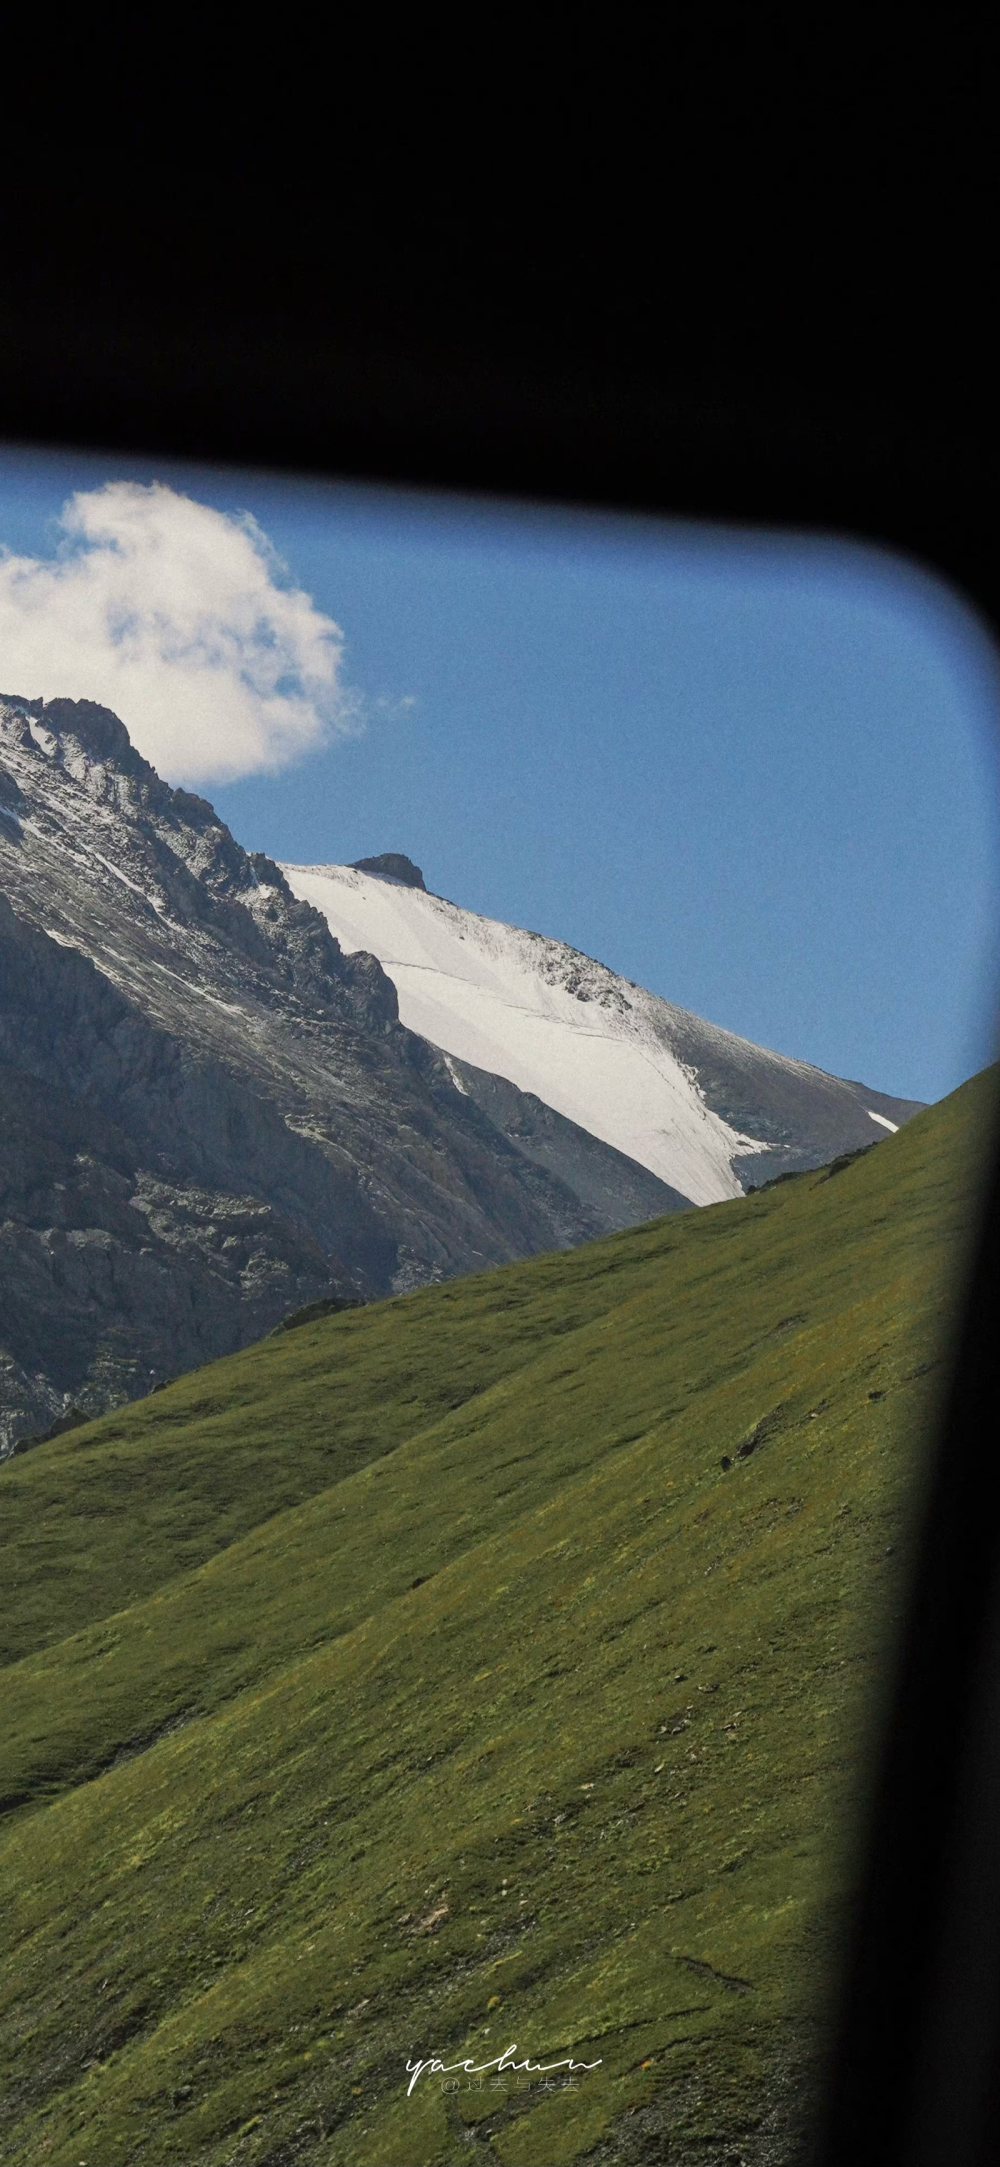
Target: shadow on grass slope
{"x": 422, "y": 1681}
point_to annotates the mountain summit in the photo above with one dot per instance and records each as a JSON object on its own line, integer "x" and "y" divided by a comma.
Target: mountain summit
{"x": 231, "y": 1091}
{"x": 707, "y": 1112}
{"x": 392, "y": 866}
{"x": 212, "y": 1113}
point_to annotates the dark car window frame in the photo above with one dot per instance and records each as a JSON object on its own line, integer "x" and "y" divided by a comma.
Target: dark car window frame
{"x": 392, "y": 398}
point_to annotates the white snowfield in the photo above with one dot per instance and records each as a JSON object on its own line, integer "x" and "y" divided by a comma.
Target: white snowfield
{"x": 590, "y": 1044}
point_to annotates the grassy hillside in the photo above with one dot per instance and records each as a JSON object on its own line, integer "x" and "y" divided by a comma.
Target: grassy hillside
{"x": 421, "y": 1681}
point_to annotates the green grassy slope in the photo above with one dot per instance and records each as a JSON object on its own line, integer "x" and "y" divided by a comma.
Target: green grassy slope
{"x": 109, "y": 1512}
{"x": 422, "y": 1682}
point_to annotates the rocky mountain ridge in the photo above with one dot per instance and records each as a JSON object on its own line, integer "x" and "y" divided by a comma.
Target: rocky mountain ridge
{"x": 212, "y": 1114}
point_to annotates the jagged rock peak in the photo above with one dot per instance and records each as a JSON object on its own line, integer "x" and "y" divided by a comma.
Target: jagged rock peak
{"x": 98, "y": 733}
{"x": 392, "y": 866}
{"x": 170, "y": 849}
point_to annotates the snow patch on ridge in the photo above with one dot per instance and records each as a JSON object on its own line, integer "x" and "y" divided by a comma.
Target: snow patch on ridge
{"x": 550, "y": 1020}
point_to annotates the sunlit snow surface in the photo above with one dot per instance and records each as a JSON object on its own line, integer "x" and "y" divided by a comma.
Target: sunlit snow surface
{"x": 549, "y": 1019}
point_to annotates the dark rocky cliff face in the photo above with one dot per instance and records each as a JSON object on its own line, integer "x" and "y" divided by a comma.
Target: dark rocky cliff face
{"x": 210, "y": 1114}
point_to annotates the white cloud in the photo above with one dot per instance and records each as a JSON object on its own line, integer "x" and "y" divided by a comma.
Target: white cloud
{"x": 177, "y": 617}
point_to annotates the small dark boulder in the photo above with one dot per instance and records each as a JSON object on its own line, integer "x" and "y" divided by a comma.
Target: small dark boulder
{"x": 313, "y": 1310}
{"x": 71, "y": 1420}
{"x": 392, "y": 866}
{"x": 761, "y": 1430}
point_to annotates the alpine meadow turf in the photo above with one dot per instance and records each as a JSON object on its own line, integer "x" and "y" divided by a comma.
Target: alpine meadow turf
{"x": 493, "y": 1664}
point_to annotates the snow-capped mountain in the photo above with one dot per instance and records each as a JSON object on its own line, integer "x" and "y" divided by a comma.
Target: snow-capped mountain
{"x": 211, "y": 1115}
{"x": 227, "y": 1093}
{"x": 707, "y": 1112}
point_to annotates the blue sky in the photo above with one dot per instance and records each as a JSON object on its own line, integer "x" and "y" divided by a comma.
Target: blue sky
{"x": 757, "y": 777}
